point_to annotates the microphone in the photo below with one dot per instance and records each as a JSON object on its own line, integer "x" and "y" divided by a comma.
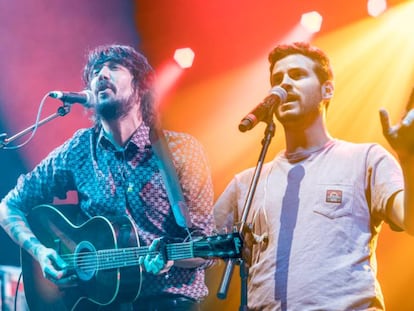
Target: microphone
{"x": 277, "y": 95}
{"x": 85, "y": 98}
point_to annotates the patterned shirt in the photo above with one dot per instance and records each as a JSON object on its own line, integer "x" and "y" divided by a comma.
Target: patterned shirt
{"x": 112, "y": 182}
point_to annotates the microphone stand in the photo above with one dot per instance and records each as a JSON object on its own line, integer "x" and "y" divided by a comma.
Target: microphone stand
{"x": 245, "y": 229}
{"x": 61, "y": 111}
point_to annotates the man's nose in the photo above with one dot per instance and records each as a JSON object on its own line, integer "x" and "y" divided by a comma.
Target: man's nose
{"x": 104, "y": 73}
{"x": 286, "y": 83}
{"x": 286, "y": 80}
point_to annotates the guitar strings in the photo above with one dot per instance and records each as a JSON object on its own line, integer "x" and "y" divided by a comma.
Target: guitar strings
{"x": 117, "y": 258}
{"x": 108, "y": 259}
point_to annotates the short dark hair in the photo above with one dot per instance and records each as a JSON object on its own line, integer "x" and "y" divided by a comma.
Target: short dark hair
{"x": 142, "y": 72}
{"x": 322, "y": 66}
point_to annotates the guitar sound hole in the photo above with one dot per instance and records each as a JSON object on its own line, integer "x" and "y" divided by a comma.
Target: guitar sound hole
{"x": 86, "y": 261}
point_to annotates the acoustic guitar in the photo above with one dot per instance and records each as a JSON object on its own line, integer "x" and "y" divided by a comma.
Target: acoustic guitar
{"x": 102, "y": 254}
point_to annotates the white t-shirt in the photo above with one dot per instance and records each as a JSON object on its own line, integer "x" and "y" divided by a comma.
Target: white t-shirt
{"x": 318, "y": 218}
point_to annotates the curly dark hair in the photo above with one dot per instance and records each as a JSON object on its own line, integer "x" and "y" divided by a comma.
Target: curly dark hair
{"x": 142, "y": 72}
{"x": 322, "y": 66}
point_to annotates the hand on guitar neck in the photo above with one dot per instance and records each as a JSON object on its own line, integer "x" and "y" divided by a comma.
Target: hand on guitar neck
{"x": 157, "y": 264}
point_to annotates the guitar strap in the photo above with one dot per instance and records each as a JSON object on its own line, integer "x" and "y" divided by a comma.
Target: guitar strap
{"x": 169, "y": 175}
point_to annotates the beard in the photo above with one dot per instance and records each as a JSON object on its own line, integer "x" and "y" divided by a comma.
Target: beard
{"x": 111, "y": 110}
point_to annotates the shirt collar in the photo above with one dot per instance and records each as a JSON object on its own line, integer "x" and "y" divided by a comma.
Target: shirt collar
{"x": 140, "y": 139}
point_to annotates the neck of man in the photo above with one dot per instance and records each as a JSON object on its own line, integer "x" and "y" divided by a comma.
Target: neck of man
{"x": 120, "y": 130}
{"x": 309, "y": 137}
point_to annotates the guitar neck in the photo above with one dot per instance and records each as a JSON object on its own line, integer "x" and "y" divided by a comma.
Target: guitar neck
{"x": 175, "y": 251}
{"x": 116, "y": 258}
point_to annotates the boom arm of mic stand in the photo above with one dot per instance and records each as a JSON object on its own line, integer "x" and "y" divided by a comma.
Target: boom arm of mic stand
{"x": 61, "y": 111}
{"x": 244, "y": 229}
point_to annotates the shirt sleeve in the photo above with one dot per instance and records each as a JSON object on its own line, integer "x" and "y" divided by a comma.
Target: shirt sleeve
{"x": 196, "y": 182}
{"x": 225, "y": 208}
{"x": 49, "y": 179}
{"x": 385, "y": 179}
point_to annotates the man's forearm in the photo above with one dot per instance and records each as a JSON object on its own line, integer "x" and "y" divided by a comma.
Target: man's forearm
{"x": 408, "y": 170}
{"x": 14, "y": 223}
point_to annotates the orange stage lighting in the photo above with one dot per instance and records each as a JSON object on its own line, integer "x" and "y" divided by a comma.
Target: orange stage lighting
{"x": 376, "y": 7}
{"x": 312, "y": 21}
{"x": 184, "y": 57}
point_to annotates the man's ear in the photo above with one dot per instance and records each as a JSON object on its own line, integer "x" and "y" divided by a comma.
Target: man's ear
{"x": 327, "y": 90}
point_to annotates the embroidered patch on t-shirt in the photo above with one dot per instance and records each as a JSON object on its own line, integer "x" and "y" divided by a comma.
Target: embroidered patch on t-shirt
{"x": 333, "y": 196}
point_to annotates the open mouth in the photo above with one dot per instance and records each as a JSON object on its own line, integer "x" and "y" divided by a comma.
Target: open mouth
{"x": 104, "y": 85}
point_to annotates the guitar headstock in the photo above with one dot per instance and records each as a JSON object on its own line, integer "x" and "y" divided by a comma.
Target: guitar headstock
{"x": 223, "y": 246}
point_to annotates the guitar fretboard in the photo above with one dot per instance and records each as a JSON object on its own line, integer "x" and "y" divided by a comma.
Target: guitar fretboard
{"x": 124, "y": 257}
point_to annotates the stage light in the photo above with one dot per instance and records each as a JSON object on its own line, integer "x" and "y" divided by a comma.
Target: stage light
{"x": 184, "y": 57}
{"x": 376, "y": 7}
{"x": 311, "y": 21}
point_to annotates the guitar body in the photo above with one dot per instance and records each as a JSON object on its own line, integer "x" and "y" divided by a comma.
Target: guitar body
{"x": 93, "y": 286}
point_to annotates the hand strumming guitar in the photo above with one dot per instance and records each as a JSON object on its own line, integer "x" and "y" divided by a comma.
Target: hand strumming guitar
{"x": 53, "y": 267}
